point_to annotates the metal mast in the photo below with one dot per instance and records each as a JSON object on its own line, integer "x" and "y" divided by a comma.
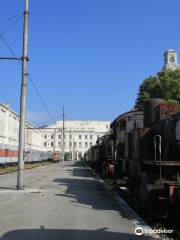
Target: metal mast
{"x": 63, "y": 137}
{"x": 73, "y": 150}
{"x": 22, "y": 124}
{"x": 70, "y": 144}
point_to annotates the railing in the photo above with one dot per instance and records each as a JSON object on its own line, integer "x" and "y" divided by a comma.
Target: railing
{"x": 158, "y": 149}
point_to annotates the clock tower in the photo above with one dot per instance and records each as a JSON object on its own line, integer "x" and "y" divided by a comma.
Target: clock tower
{"x": 171, "y": 60}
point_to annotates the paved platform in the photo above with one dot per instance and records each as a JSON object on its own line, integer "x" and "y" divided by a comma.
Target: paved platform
{"x": 66, "y": 203}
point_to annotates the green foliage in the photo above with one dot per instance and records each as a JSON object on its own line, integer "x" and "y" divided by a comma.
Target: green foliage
{"x": 165, "y": 85}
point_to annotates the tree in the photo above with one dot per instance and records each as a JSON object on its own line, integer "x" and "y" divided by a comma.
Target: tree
{"x": 165, "y": 85}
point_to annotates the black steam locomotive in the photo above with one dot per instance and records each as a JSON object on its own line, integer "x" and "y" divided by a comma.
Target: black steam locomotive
{"x": 144, "y": 147}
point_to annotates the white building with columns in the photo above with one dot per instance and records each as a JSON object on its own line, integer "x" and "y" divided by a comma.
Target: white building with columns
{"x": 79, "y": 136}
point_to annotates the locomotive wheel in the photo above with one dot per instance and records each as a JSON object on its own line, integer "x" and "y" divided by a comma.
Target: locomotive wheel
{"x": 133, "y": 188}
{"x": 175, "y": 220}
{"x": 156, "y": 204}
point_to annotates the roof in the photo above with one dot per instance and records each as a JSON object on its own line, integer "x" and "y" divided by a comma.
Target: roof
{"x": 123, "y": 114}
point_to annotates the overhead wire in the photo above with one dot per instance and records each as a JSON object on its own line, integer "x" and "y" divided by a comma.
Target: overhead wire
{"x": 11, "y": 25}
{"x": 10, "y": 18}
{"x": 6, "y": 30}
{"x": 40, "y": 98}
{"x": 7, "y": 45}
{"x": 19, "y": 61}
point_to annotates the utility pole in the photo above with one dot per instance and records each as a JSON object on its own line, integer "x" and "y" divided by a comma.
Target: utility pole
{"x": 73, "y": 150}
{"x": 22, "y": 125}
{"x": 54, "y": 140}
{"x": 70, "y": 144}
{"x": 63, "y": 136}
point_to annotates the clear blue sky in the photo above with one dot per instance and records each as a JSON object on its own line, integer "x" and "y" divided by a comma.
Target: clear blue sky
{"x": 88, "y": 55}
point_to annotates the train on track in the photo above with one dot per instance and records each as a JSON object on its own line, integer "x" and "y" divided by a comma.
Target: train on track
{"x": 9, "y": 155}
{"x": 143, "y": 147}
{"x": 9, "y": 130}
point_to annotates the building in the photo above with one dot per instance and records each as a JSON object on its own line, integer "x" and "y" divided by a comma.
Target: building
{"x": 79, "y": 136}
{"x": 171, "y": 60}
{"x": 9, "y": 138}
{"x": 9, "y": 130}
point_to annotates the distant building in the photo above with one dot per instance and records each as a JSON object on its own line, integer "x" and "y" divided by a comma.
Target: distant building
{"x": 171, "y": 60}
{"x": 9, "y": 130}
{"x": 79, "y": 136}
{"x": 9, "y": 138}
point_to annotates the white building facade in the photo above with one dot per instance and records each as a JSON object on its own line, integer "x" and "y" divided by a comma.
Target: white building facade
{"x": 79, "y": 136}
{"x": 9, "y": 130}
{"x": 9, "y": 139}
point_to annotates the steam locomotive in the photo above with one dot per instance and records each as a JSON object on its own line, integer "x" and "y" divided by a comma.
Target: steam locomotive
{"x": 144, "y": 146}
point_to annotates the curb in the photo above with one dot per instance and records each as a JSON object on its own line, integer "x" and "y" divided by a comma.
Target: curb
{"x": 28, "y": 168}
{"x": 137, "y": 221}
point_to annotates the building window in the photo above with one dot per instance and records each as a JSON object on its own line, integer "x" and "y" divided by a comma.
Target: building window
{"x": 79, "y": 136}
{"x": 45, "y": 144}
{"x": 70, "y": 144}
{"x": 59, "y": 136}
{"x": 45, "y": 136}
{"x": 80, "y": 144}
{"x": 52, "y": 136}
{"x": 59, "y": 144}
{"x": 70, "y": 136}
{"x": 74, "y": 144}
{"x": 85, "y": 136}
{"x": 90, "y": 144}
{"x": 51, "y": 144}
{"x": 86, "y": 144}
{"x": 90, "y": 136}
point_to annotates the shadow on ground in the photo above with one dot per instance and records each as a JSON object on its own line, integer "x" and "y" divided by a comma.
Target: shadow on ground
{"x": 73, "y": 164}
{"x": 8, "y": 188}
{"x": 67, "y": 234}
{"x": 84, "y": 189}
{"x": 78, "y": 169}
{"x": 87, "y": 191}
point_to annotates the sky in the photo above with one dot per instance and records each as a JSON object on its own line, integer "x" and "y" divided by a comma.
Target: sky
{"x": 89, "y": 56}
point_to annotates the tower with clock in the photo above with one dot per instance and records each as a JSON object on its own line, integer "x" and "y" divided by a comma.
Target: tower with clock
{"x": 171, "y": 60}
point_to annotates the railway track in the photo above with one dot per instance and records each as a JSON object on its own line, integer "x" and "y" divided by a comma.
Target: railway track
{"x": 155, "y": 223}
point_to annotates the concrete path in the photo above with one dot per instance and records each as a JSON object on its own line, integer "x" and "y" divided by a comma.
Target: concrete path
{"x": 61, "y": 203}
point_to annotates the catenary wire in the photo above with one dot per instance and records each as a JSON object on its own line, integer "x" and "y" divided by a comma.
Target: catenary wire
{"x": 10, "y": 26}
{"x": 31, "y": 80}
{"x": 40, "y": 98}
{"x": 5, "y": 31}
{"x": 7, "y": 45}
{"x": 10, "y": 18}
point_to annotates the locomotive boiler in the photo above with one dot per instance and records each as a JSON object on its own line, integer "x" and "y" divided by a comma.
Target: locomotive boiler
{"x": 151, "y": 157}
{"x": 144, "y": 148}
